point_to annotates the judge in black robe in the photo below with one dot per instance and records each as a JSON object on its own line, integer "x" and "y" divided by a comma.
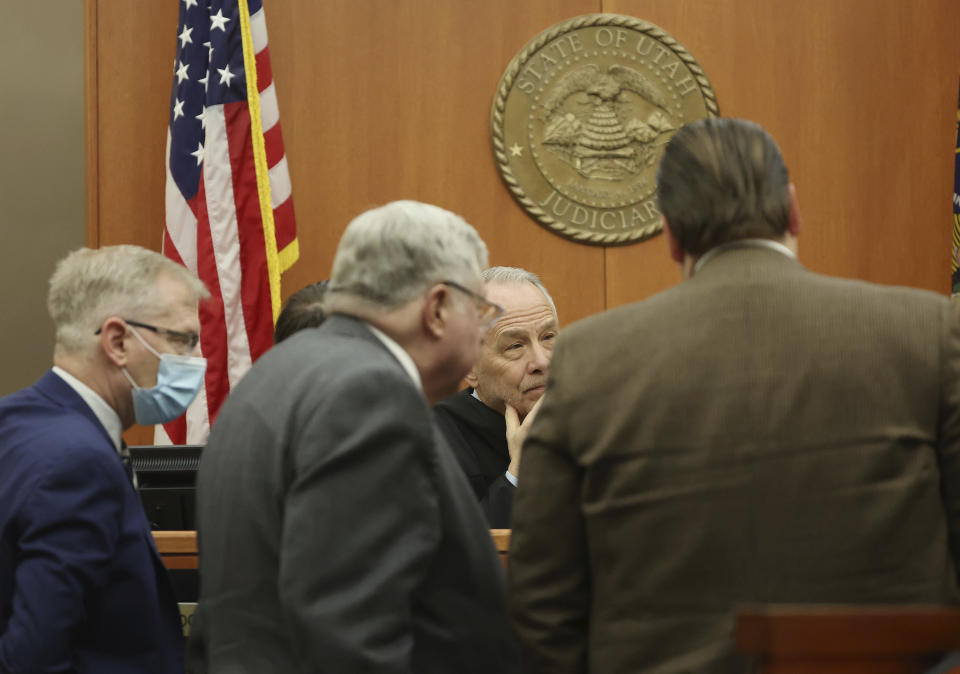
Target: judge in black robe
{"x": 477, "y": 435}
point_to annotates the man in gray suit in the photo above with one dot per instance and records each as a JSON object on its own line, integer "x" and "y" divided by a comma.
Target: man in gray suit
{"x": 758, "y": 433}
{"x": 337, "y": 532}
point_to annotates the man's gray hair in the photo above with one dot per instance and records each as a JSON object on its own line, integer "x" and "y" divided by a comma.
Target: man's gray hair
{"x": 90, "y": 285}
{"x": 517, "y": 275}
{"x": 721, "y": 180}
{"x": 389, "y": 255}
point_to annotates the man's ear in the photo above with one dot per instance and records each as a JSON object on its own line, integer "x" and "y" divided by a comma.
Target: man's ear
{"x": 436, "y": 311}
{"x": 676, "y": 251}
{"x": 471, "y": 377}
{"x": 795, "y": 221}
{"x": 112, "y": 341}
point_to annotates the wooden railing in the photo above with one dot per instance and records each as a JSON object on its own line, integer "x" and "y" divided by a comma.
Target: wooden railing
{"x": 798, "y": 639}
{"x": 794, "y": 639}
{"x": 179, "y": 548}
{"x": 501, "y": 540}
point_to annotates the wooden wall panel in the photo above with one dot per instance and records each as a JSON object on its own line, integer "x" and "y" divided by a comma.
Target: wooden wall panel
{"x": 861, "y": 97}
{"x": 136, "y": 48}
{"x": 385, "y": 100}
{"x": 388, "y": 100}
{"x": 381, "y": 101}
{"x": 378, "y": 101}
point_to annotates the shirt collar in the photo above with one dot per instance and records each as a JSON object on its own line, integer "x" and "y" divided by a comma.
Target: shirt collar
{"x": 399, "y": 353}
{"x": 107, "y": 416}
{"x": 743, "y": 243}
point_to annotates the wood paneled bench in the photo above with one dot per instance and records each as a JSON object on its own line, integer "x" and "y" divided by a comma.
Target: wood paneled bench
{"x": 802, "y": 639}
{"x": 179, "y": 548}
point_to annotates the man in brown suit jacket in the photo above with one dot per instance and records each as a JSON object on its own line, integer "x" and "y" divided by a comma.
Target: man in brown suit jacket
{"x": 758, "y": 433}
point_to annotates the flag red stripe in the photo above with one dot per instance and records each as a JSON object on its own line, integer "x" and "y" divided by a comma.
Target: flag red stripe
{"x": 177, "y": 430}
{"x": 284, "y": 224}
{"x": 264, "y": 71}
{"x": 169, "y": 249}
{"x": 255, "y": 284}
{"x": 273, "y": 140}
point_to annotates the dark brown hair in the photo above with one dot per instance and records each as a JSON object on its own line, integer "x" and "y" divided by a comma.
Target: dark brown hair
{"x": 304, "y": 309}
{"x": 721, "y": 180}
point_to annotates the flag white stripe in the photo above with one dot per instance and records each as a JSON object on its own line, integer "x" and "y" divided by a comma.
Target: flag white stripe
{"x": 269, "y": 110}
{"x": 258, "y": 30}
{"x": 218, "y": 179}
{"x": 160, "y": 436}
{"x": 180, "y": 221}
{"x": 280, "y": 188}
{"x": 198, "y": 420}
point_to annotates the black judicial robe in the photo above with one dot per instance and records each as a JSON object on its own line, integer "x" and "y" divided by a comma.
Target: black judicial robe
{"x": 477, "y": 435}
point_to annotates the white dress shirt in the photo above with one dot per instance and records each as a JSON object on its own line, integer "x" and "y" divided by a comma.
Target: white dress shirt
{"x": 743, "y": 243}
{"x": 400, "y": 353}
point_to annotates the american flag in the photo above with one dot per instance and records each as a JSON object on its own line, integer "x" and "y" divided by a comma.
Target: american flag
{"x": 229, "y": 213}
{"x": 955, "y": 279}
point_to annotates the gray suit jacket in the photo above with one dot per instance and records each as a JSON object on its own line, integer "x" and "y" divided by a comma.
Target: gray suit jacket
{"x": 337, "y": 532}
{"x": 758, "y": 433}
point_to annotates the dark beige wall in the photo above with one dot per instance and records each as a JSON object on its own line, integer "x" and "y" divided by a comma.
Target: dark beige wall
{"x": 41, "y": 173}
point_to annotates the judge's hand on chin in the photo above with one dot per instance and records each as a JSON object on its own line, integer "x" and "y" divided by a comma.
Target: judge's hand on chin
{"x": 517, "y": 433}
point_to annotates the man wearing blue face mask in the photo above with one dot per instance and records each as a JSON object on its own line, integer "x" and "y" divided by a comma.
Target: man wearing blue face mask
{"x": 82, "y": 588}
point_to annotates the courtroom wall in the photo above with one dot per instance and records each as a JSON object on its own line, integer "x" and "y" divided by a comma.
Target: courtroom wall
{"x": 385, "y": 100}
{"x": 41, "y": 174}
{"x": 390, "y": 99}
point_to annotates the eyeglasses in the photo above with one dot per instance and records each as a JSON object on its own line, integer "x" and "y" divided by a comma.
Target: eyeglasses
{"x": 187, "y": 340}
{"x": 489, "y": 311}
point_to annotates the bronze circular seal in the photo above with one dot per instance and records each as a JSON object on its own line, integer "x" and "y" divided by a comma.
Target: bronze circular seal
{"x": 580, "y": 120}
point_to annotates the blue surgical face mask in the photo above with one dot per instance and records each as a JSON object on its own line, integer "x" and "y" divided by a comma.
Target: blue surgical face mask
{"x": 179, "y": 380}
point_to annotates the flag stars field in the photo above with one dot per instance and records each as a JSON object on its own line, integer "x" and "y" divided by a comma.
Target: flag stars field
{"x": 225, "y": 75}
{"x": 184, "y": 36}
{"x": 218, "y": 20}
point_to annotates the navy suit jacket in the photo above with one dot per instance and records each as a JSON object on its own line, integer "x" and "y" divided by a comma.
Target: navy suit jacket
{"x": 82, "y": 587}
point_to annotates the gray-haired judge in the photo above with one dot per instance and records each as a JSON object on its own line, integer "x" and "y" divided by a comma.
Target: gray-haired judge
{"x": 337, "y": 532}
{"x": 485, "y": 423}
{"x": 758, "y": 433}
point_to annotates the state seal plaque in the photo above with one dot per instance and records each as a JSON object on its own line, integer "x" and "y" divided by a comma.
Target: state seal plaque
{"x": 580, "y": 120}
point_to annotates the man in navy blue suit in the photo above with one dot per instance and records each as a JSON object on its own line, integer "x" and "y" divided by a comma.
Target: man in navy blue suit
{"x": 82, "y": 587}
